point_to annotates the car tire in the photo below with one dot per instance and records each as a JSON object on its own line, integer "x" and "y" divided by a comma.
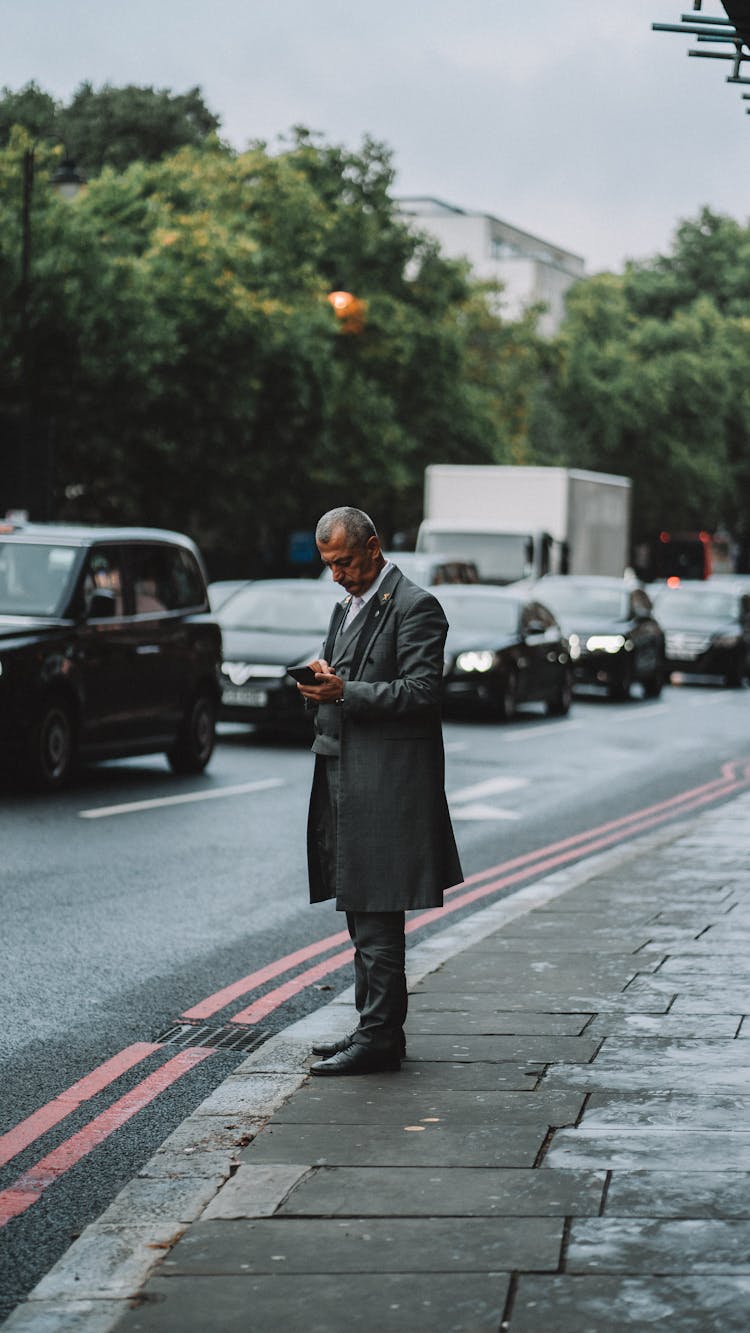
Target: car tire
{"x": 620, "y": 689}
{"x": 508, "y": 700}
{"x": 50, "y": 747}
{"x": 734, "y": 676}
{"x": 559, "y": 704}
{"x": 652, "y": 687}
{"x": 197, "y": 735}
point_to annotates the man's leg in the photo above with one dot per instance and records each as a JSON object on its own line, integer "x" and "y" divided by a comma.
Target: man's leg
{"x": 380, "y": 978}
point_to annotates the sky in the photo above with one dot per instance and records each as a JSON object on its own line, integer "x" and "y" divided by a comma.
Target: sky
{"x": 568, "y": 118}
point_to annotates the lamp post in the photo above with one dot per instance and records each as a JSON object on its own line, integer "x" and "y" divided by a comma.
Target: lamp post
{"x": 349, "y": 311}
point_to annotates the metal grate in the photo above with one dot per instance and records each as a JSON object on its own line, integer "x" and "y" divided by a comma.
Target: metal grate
{"x": 225, "y": 1036}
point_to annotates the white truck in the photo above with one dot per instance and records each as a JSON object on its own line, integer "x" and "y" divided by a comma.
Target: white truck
{"x": 523, "y": 522}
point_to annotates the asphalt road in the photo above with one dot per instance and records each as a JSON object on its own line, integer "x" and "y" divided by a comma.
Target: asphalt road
{"x": 123, "y": 907}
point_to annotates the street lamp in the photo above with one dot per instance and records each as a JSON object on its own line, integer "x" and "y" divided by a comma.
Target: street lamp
{"x": 349, "y": 311}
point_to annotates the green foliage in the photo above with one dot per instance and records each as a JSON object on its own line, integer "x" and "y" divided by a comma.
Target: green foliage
{"x": 110, "y": 126}
{"x": 181, "y": 340}
{"x": 649, "y": 381}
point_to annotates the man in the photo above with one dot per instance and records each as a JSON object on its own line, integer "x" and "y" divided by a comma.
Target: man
{"x": 379, "y": 835}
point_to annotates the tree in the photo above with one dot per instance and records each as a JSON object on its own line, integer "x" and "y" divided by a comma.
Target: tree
{"x": 110, "y": 126}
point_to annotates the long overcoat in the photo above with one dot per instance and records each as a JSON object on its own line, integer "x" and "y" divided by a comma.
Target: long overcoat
{"x": 395, "y": 847}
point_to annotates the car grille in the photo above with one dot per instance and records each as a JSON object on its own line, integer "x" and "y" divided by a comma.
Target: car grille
{"x": 685, "y": 645}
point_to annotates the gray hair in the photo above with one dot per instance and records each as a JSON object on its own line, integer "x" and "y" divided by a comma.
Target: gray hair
{"x": 357, "y": 525}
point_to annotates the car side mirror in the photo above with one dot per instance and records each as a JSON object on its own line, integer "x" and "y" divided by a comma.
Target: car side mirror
{"x": 102, "y": 605}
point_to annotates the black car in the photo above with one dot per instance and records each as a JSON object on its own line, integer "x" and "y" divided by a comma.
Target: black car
{"x": 615, "y": 638}
{"x": 106, "y": 649}
{"x": 267, "y": 626}
{"x": 503, "y": 648}
{"x": 708, "y": 629}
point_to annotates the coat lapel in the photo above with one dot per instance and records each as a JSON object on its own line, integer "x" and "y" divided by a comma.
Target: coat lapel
{"x": 339, "y": 611}
{"x": 377, "y": 616}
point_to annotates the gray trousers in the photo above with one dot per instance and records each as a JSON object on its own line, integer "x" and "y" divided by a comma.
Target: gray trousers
{"x": 379, "y": 946}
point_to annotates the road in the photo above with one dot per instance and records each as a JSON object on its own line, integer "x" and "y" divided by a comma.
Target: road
{"x": 134, "y": 899}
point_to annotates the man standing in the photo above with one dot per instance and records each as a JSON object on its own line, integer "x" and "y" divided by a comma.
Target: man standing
{"x": 379, "y": 834}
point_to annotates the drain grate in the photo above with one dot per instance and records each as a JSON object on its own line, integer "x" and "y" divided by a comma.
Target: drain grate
{"x": 225, "y": 1036}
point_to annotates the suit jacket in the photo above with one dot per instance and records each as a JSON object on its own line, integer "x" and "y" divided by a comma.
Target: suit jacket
{"x": 395, "y": 847}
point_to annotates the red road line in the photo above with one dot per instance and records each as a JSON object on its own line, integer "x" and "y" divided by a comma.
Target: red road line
{"x": 213, "y": 1003}
{"x": 273, "y": 999}
{"x": 31, "y": 1185}
{"x": 671, "y": 801}
{"x": 237, "y": 989}
{"x": 267, "y": 1003}
{"x": 47, "y": 1116}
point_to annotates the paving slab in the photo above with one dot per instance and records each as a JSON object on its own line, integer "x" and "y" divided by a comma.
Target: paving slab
{"x": 631, "y": 1305}
{"x": 412, "y": 1144}
{"x": 659, "y": 1065}
{"x": 669, "y": 1110}
{"x": 347, "y": 1247}
{"x": 520, "y": 1075}
{"x": 453, "y": 1192}
{"x": 539, "y": 1049}
{"x": 644, "y": 1245}
{"x": 682, "y": 1023}
{"x": 666, "y": 1150}
{"x": 679, "y": 1193}
{"x": 309, "y": 1303}
{"x": 491, "y": 1022}
{"x": 255, "y": 1191}
{"x": 350, "y": 1102}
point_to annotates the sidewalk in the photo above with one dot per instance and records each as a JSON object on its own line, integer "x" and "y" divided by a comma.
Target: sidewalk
{"x": 565, "y": 1150}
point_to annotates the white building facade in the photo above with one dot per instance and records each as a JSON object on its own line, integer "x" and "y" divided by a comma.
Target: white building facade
{"x": 531, "y": 271}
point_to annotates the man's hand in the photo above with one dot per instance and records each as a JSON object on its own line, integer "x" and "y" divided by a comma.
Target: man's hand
{"x": 328, "y": 690}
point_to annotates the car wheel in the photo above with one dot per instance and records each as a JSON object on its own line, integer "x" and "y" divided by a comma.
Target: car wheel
{"x": 197, "y": 735}
{"x": 51, "y": 746}
{"x": 734, "y": 676}
{"x": 620, "y": 689}
{"x": 652, "y": 687}
{"x": 559, "y": 704}
{"x": 508, "y": 702}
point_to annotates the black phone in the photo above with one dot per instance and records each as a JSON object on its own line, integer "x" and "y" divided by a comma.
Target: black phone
{"x": 304, "y": 674}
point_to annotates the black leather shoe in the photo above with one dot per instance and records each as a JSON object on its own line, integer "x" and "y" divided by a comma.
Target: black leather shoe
{"x": 357, "y": 1059}
{"x": 327, "y": 1049}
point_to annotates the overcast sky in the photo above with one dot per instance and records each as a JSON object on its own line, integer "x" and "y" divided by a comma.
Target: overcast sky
{"x": 569, "y": 118}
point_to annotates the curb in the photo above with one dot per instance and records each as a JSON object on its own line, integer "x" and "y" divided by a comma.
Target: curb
{"x": 88, "y": 1289}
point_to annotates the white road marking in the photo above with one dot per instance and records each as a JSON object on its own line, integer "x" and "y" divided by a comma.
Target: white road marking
{"x": 490, "y": 787}
{"x": 130, "y": 807}
{"x": 529, "y": 734}
{"x": 479, "y": 811}
{"x": 640, "y": 717}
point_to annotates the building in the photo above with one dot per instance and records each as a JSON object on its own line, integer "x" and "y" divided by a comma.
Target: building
{"x": 531, "y": 270}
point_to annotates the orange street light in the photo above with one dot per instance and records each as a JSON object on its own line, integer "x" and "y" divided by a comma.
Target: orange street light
{"x": 349, "y": 310}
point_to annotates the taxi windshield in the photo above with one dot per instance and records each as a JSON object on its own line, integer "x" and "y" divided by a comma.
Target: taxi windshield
{"x": 35, "y": 578}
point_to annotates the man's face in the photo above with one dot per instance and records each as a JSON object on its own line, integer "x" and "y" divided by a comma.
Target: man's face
{"x": 353, "y": 567}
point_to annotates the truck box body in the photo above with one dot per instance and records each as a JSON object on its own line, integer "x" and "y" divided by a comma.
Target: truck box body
{"x": 518, "y": 522}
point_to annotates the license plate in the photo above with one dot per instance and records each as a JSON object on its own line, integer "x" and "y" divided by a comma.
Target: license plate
{"x": 248, "y": 698}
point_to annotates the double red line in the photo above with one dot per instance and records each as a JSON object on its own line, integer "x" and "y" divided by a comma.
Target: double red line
{"x": 29, "y": 1187}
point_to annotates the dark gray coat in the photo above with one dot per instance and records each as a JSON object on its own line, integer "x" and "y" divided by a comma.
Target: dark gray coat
{"x": 395, "y": 844}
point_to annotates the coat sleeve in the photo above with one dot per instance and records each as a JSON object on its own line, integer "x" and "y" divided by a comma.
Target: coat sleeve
{"x": 420, "y": 640}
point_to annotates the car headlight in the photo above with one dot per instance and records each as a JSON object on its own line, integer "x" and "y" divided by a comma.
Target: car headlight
{"x": 606, "y": 643}
{"x": 574, "y": 645}
{"x": 240, "y": 672}
{"x": 480, "y": 661}
{"x": 726, "y": 640}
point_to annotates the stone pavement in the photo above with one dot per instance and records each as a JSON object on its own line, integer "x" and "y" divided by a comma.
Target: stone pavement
{"x": 565, "y": 1150}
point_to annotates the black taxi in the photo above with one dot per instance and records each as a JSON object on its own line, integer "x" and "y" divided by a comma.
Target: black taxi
{"x": 107, "y": 648}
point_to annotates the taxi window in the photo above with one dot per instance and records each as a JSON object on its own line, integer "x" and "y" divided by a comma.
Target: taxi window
{"x": 103, "y": 573}
{"x": 165, "y": 578}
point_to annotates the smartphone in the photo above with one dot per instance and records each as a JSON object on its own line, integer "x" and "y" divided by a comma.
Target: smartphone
{"x": 304, "y": 674}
